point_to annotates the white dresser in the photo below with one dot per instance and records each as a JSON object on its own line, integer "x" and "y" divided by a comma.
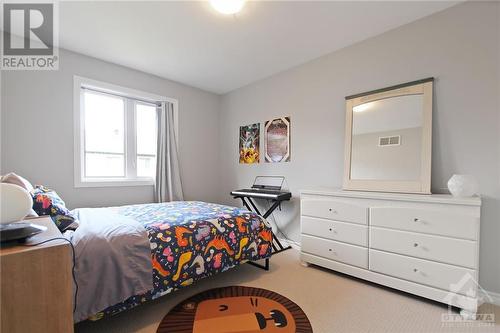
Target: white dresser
{"x": 427, "y": 245}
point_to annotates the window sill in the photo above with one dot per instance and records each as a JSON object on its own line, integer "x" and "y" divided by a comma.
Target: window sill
{"x": 113, "y": 182}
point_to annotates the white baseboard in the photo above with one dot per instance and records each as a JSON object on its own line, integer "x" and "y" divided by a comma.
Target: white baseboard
{"x": 295, "y": 245}
{"x": 495, "y": 297}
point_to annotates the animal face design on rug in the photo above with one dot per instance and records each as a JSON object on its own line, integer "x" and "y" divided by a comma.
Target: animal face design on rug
{"x": 241, "y": 314}
{"x": 236, "y": 309}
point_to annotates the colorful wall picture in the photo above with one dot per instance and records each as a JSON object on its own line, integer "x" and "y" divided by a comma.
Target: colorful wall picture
{"x": 249, "y": 144}
{"x": 277, "y": 140}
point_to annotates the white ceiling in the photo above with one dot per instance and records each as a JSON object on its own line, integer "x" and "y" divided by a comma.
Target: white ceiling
{"x": 188, "y": 42}
{"x": 389, "y": 114}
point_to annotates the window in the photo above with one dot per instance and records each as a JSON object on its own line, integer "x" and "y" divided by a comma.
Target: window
{"x": 146, "y": 139}
{"x": 104, "y": 131}
{"x": 115, "y": 135}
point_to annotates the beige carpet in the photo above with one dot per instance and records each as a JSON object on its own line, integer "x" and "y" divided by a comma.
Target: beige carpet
{"x": 333, "y": 302}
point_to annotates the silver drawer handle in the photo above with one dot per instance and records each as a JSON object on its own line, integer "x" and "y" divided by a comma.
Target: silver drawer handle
{"x": 335, "y": 253}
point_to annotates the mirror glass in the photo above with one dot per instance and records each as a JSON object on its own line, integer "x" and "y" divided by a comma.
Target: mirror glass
{"x": 387, "y": 139}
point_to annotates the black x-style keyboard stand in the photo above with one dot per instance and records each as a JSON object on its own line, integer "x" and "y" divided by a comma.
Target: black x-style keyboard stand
{"x": 247, "y": 201}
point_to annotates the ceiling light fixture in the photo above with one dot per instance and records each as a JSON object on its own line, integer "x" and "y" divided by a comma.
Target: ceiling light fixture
{"x": 227, "y": 7}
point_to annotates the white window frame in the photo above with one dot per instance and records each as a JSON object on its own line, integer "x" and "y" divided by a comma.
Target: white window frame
{"x": 78, "y": 119}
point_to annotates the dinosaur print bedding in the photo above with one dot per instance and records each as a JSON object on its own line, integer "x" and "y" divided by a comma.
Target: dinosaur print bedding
{"x": 191, "y": 240}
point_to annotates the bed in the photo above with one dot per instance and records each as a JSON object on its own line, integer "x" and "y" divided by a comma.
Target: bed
{"x": 128, "y": 255}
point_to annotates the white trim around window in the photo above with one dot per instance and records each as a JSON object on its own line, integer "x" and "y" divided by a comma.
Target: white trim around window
{"x": 78, "y": 116}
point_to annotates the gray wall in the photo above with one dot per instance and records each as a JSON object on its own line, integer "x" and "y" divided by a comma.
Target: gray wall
{"x": 37, "y": 130}
{"x": 459, "y": 47}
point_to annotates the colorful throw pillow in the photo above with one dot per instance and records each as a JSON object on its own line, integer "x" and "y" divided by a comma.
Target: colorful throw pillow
{"x": 47, "y": 202}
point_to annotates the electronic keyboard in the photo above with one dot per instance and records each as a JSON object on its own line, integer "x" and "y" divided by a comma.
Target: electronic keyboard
{"x": 269, "y": 188}
{"x": 262, "y": 194}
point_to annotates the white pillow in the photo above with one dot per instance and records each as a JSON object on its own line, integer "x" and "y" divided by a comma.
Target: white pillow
{"x": 12, "y": 178}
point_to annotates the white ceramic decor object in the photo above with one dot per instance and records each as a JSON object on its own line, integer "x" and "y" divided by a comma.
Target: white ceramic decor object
{"x": 463, "y": 185}
{"x": 15, "y": 203}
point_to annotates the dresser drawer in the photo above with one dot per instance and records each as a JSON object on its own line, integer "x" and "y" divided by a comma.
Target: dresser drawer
{"x": 448, "y": 250}
{"x": 335, "y": 210}
{"x": 348, "y": 254}
{"x": 445, "y": 223}
{"x": 425, "y": 272}
{"x": 341, "y": 231}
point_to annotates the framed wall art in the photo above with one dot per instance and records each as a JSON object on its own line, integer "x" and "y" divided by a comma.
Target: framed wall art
{"x": 249, "y": 144}
{"x": 277, "y": 140}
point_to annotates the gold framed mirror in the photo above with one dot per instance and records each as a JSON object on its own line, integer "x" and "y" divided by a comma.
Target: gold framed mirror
{"x": 388, "y": 142}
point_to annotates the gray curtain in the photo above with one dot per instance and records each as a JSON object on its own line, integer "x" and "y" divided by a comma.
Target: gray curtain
{"x": 168, "y": 185}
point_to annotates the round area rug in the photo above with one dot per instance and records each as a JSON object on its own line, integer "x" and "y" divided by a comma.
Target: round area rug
{"x": 236, "y": 309}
